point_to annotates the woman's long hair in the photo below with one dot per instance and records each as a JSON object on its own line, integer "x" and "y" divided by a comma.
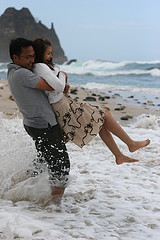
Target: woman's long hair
{"x": 40, "y": 46}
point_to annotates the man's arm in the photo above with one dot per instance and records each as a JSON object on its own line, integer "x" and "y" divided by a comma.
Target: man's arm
{"x": 42, "y": 84}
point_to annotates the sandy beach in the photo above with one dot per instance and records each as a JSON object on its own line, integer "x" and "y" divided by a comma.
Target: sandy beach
{"x": 114, "y": 103}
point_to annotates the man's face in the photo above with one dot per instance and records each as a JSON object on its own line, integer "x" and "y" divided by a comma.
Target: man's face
{"x": 26, "y": 58}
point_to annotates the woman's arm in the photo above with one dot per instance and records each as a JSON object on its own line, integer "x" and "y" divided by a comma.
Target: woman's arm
{"x": 62, "y": 75}
{"x": 67, "y": 87}
{"x": 42, "y": 70}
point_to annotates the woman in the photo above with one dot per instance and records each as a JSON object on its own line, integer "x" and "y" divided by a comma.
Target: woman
{"x": 80, "y": 121}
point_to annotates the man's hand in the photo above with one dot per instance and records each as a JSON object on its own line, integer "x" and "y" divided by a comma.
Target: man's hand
{"x": 42, "y": 84}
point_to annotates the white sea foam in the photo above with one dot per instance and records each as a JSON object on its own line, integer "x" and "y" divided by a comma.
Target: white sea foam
{"x": 155, "y": 72}
{"x": 147, "y": 121}
{"x": 4, "y": 70}
{"x": 103, "y": 200}
{"x": 99, "y": 64}
{"x": 105, "y": 69}
{"x": 94, "y": 72}
{"x": 110, "y": 87}
{"x": 137, "y": 74}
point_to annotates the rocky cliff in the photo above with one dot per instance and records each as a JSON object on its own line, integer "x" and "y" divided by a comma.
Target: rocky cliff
{"x": 20, "y": 23}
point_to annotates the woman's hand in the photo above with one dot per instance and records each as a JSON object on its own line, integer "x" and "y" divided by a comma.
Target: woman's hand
{"x": 64, "y": 74}
{"x": 67, "y": 86}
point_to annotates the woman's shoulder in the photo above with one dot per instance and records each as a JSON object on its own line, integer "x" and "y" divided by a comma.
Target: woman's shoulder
{"x": 40, "y": 67}
{"x": 35, "y": 65}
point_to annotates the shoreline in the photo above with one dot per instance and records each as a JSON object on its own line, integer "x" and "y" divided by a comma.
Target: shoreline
{"x": 118, "y": 105}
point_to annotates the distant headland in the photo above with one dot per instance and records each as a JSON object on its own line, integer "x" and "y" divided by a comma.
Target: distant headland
{"x": 20, "y": 23}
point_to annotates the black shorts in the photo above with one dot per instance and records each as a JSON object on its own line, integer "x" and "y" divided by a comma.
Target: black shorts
{"x": 52, "y": 151}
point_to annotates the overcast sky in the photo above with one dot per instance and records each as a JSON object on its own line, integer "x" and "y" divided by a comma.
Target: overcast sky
{"x": 114, "y": 30}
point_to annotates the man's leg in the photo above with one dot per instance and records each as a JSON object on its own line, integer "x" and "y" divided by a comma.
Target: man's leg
{"x": 52, "y": 150}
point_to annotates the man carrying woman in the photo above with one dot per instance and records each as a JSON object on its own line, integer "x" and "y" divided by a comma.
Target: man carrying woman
{"x": 28, "y": 91}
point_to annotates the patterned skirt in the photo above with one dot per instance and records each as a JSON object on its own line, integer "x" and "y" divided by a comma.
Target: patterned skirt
{"x": 80, "y": 122}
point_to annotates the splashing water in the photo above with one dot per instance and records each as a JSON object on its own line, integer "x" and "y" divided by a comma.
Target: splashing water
{"x": 102, "y": 200}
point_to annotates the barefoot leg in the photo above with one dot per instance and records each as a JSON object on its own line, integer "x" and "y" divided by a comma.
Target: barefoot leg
{"x": 111, "y": 144}
{"x": 138, "y": 144}
{"x": 111, "y": 125}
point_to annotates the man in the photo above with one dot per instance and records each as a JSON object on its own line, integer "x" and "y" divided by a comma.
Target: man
{"x": 38, "y": 117}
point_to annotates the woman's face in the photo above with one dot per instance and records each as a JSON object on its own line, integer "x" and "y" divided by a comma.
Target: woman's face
{"x": 48, "y": 55}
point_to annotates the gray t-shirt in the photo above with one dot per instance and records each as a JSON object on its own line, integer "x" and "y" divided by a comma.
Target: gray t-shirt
{"x": 32, "y": 102}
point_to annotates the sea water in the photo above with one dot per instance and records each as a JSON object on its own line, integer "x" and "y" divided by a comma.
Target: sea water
{"x": 126, "y": 78}
{"x": 102, "y": 200}
{"x": 128, "y": 74}
{"x": 135, "y": 80}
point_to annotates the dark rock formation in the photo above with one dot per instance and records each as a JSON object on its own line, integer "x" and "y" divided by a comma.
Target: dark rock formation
{"x": 20, "y": 23}
{"x": 71, "y": 61}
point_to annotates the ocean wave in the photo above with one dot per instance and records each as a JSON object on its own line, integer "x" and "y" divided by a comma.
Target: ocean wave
{"x": 98, "y": 64}
{"x": 100, "y": 68}
{"x": 105, "y": 68}
{"x": 124, "y": 88}
{"x": 155, "y": 72}
{"x": 101, "y": 64}
{"x": 81, "y": 71}
{"x": 98, "y": 73}
{"x": 3, "y": 70}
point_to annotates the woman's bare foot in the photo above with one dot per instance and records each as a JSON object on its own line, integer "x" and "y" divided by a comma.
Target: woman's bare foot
{"x": 124, "y": 159}
{"x": 138, "y": 144}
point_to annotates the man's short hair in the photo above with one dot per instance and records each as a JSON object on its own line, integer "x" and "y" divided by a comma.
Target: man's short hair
{"x": 17, "y": 44}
